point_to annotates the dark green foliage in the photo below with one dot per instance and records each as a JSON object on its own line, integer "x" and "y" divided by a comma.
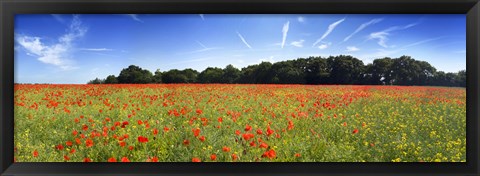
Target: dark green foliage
{"x": 340, "y": 69}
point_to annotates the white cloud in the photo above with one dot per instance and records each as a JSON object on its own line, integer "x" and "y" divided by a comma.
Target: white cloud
{"x": 135, "y": 17}
{"x": 95, "y": 49}
{"x": 298, "y": 43}
{"x": 361, "y": 27}
{"x": 331, "y": 27}
{"x": 301, "y": 19}
{"x": 201, "y": 16}
{"x": 58, "y": 18}
{"x": 352, "y": 49}
{"x": 243, "y": 40}
{"x": 382, "y": 36}
{"x": 323, "y": 46}
{"x": 58, "y": 53}
{"x": 285, "y": 32}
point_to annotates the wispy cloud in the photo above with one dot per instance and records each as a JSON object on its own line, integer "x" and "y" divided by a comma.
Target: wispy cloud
{"x": 285, "y": 32}
{"x": 204, "y": 48}
{"x": 201, "y": 16}
{"x": 352, "y": 49}
{"x": 297, "y": 43}
{"x": 362, "y": 26}
{"x": 57, "y": 54}
{"x": 422, "y": 42}
{"x": 58, "y": 18}
{"x": 382, "y": 36}
{"x": 135, "y": 17}
{"x": 243, "y": 40}
{"x": 324, "y": 45}
{"x": 331, "y": 27}
{"x": 190, "y": 61}
{"x": 95, "y": 49}
{"x": 301, "y": 19}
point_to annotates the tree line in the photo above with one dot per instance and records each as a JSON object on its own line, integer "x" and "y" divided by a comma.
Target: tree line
{"x": 342, "y": 69}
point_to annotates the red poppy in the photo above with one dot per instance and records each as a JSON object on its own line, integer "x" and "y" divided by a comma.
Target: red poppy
{"x": 72, "y": 151}
{"x": 269, "y": 131}
{"x": 75, "y": 132}
{"x": 142, "y": 139}
{"x": 248, "y": 136}
{"x": 202, "y": 138}
{"x": 355, "y": 131}
{"x": 253, "y": 144}
{"x": 248, "y": 127}
{"x": 234, "y": 157}
{"x": 89, "y": 143}
{"x": 154, "y": 159}
{"x": 76, "y": 120}
{"x": 66, "y": 157}
{"x": 59, "y": 147}
{"x": 111, "y": 160}
{"x": 155, "y": 131}
{"x": 259, "y": 131}
{"x": 196, "y": 160}
{"x": 226, "y": 149}
{"x": 344, "y": 123}
{"x": 263, "y": 145}
{"x": 213, "y": 157}
{"x": 68, "y": 143}
{"x": 84, "y": 127}
{"x": 237, "y": 132}
{"x": 87, "y": 160}
{"x": 165, "y": 129}
{"x": 77, "y": 140}
{"x": 196, "y": 132}
{"x": 199, "y": 111}
{"x": 130, "y": 147}
{"x": 270, "y": 154}
{"x": 125, "y": 159}
{"x": 220, "y": 119}
{"x": 35, "y": 153}
{"x": 297, "y": 155}
{"x": 122, "y": 143}
{"x": 140, "y": 122}
{"x": 186, "y": 142}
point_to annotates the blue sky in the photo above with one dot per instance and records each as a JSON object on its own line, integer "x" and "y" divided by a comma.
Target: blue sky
{"x": 78, "y": 48}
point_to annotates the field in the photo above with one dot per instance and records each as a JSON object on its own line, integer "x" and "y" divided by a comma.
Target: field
{"x": 239, "y": 123}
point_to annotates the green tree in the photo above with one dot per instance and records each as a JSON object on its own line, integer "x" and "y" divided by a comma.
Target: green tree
{"x": 211, "y": 75}
{"x": 135, "y": 75}
{"x": 231, "y": 74}
{"x": 111, "y": 79}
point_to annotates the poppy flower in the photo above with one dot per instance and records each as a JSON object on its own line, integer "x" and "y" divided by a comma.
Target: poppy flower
{"x": 186, "y": 142}
{"x": 84, "y": 127}
{"x": 111, "y": 160}
{"x": 237, "y": 132}
{"x": 154, "y": 159}
{"x": 68, "y": 143}
{"x": 77, "y": 140}
{"x": 165, "y": 129}
{"x": 253, "y": 144}
{"x": 213, "y": 157}
{"x": 155, "y": 131}
{"x": 89, "y": 143}
{"x": 234, "y": 157}
{"x": 196, "y": 132}
{"x": 142, "y": 139}
{"x": 75, "y": 132}
{"x": 72, "y": 151}
{"x": 270, "y": 154}
{"x": 125, "y": 159}
{"x": 269, "y": 131}
{"x": 122, "y": 143}
{"x": 202, "y": 138}
{"x": 130, "y": 147}
{"x": 196, "y": 160}
{"x": 35, "y": 153}
{"x": 220, "y": 119}
{"x": 248, "y": 136}
{"x": 66, "y": 157}
{"x": 226, "y": 149}
{"x": 259, "y": 131}
{"x": 59, "y": 147}
{"x": 87, "y": 160}
{"x": 248, "y": 128}
{"x": 199, "y": 111}
{"x": 297, "y": 155}
{"x": 355, "y": 131}
{"x": 139, "y": 122}
{"x": 344, "y": 123}
{"x": 263, "y": 145}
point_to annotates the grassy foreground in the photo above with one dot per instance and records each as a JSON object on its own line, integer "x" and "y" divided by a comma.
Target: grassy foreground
{"x": 242, "y": 123}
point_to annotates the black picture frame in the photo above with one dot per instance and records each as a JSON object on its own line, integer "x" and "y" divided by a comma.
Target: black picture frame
{"x": 8, "y": 8}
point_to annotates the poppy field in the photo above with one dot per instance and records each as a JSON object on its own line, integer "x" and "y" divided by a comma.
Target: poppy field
{"x": 238, "y": 123}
